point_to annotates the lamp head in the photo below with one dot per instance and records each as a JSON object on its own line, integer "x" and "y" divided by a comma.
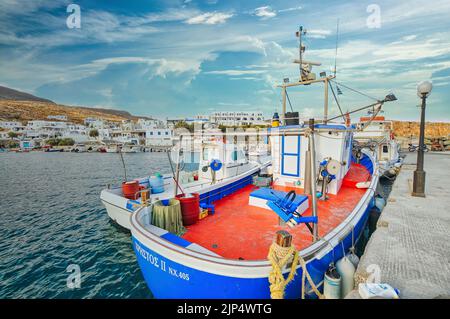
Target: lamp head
{"x": 390, "y": 97}
{"x": 424, "y": 89}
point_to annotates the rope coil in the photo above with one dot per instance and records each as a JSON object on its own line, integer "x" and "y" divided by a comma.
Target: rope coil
{"x": 279, "y": 257}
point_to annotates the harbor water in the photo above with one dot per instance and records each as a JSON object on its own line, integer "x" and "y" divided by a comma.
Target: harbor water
{"x": 51, "y": 217}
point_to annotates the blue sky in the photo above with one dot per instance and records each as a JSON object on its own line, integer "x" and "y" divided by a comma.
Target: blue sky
{"x": 182, "y": 58}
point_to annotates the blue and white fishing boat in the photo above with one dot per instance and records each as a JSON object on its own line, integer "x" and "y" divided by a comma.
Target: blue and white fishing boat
{"x": 319, "y": 195}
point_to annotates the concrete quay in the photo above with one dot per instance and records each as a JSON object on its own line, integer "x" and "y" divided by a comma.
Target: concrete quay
{"x": 410, "y": 249}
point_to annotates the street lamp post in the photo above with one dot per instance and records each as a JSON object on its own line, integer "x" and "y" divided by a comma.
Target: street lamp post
{"x": 423, "y": 91}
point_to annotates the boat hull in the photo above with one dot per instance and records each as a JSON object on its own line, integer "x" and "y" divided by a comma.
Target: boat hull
{"x": 118, "y": 214}
{"x": 172, "y": 269}
{"x": 168, "y": 279}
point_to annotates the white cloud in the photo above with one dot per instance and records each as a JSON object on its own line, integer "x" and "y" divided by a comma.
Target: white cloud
{"x": 210, "y": 18}
{"x": 409, "y": 37}
{"x": 290, "y": 9}
{"x": 265, "y": 12}
{"x": 318, "y": 33}
{"x": 235, "y": 72}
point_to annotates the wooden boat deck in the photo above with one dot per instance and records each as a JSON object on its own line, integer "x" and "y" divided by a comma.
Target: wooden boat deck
{"x": 240, "y": 231}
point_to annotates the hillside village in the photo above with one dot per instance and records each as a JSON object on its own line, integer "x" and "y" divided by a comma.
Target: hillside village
{"x": 29, "y": 125}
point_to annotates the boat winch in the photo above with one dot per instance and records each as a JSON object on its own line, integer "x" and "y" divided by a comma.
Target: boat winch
{"x": 327, "y": 172}
{"x": 286, "y": 209}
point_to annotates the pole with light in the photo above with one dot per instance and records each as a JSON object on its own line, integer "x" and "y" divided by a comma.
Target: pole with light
{"x": 423, "y": 91}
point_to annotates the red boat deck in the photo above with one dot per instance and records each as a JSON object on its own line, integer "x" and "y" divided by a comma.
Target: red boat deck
{"x": 240, "y": 231}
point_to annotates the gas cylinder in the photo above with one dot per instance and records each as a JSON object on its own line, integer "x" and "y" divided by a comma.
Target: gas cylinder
{"x": 346, "y": 270}
{"x": 332, "y": 283}
{"x": 275, "y": 120}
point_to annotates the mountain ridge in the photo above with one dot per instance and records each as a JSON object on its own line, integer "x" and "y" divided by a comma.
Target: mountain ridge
{"x": 20, "y": 106}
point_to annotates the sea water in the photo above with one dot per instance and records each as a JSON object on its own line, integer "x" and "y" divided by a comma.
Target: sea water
{"x": 52, "y": 222}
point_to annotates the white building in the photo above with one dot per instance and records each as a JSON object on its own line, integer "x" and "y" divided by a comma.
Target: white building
{"x": 237, "y": 118}
{"x": 57, "y": 117}
{"x": 201, "y": 119}
{"x": 76, "y": 132}
{"x": 158, "y": 137}
{"x": 148, "y": 124}
{"x": 12, "y": 126}
{"x": 104, "y": 133}
{"x": 94, "y": 122}
{"x": 45, "y": 129}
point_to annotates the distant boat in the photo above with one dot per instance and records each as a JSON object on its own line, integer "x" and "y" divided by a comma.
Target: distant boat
{"x": 130, "y": 148}
{"x": 54, "y": 150}
{"x": 78, "y": 148}
{"x": 113, "y": 148}
{"x": 376, "y": 133}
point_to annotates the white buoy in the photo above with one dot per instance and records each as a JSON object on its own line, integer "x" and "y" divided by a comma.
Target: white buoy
{"x": 380, "y": 202}
{"x": 346, "y": 270}
{"x": 353, "y": 258}
{"x": 332, "y": 284}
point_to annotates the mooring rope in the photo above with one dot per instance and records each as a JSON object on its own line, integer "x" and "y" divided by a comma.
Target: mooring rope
{"x": 279, "y": 256}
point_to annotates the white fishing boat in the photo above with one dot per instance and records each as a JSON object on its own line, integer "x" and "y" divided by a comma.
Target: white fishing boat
{"x": 236, "y": 172}
{"x": 131, "y": 148}
{"x": 78, "y": 148}
{"x": 376, "y": 133}
{"x": 113, "y": 147}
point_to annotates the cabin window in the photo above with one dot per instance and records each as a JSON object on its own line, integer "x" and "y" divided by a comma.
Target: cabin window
{"x": 234, "y": 155}
{"x": 385, "y": 149}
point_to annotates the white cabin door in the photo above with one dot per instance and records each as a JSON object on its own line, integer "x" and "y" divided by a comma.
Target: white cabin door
{"x": 290, "y": 156}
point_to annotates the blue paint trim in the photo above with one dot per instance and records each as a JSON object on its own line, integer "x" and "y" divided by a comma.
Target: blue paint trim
{"x": 319, "y": 126}
{"x": 297, "y": 155}
{"x": 176, "y": 240}
{"x": 214, "y": 195}
{"x": 365, "y": 161}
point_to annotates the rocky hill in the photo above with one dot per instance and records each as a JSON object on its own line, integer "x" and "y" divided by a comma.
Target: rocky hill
{"x": 432, "y": 129}
{"x": 11, "y": 94}
{"x": 23, "y": 111}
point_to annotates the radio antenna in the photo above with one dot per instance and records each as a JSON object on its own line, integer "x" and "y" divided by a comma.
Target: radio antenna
{"x": 336, "y": 52}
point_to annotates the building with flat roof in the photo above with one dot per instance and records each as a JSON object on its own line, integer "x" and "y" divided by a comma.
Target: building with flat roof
{"x": 238, "y": 118}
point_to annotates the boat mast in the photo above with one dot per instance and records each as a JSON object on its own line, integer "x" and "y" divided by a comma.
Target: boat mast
{"x": 306, "y": 78}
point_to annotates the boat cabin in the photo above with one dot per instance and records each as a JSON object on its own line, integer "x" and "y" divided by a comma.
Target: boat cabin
{"x": 222, "y": 160}
{"x": 290, "y": 146}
